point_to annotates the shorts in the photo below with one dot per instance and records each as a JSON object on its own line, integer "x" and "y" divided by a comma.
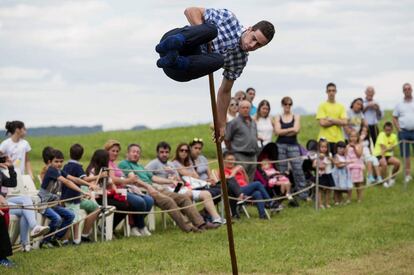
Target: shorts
{"x": 75, "y": 208}
{"x": 372, "y": 159}
{"x": 386, "y": 158}
{"x": 89, "y": 206}
{"x": 407, "y": 135}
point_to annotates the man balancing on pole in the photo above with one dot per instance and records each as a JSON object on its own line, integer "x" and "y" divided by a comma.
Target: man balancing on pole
{"x": 184, "y": 55}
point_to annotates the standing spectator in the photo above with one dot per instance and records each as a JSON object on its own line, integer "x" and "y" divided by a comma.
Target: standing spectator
{"x": 241, "y": 138}
{"x": 332, "y": 117}
{"x": 403, "y": 118}
{"x": 264, "y": 124}
{"x": 16, "y": 147}
{"x": 5, "y": 244}
{"x": 240, "y": 95}
{"x": 233, "y": 109}
{"x": 287, "y": 127}
{"x": 250, "y": 95}
{"x": 372, "y": 113}
{"x": 356, "y": 120}
{"x": 356, "y": 166}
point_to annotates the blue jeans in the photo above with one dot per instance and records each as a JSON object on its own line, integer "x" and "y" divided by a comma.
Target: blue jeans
{"x": 258, "y": 192}
{"x": 200, "y": 64}
{"x": 59, "y": 217}
{"x": 407, "y": 135}
{"x": 27, "y": 217}
{"x": 142, "y": 203}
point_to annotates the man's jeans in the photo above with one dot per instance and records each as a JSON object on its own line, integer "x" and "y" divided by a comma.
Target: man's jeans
{"x": 258, "y": 192}
{"x": 199, "y": 64}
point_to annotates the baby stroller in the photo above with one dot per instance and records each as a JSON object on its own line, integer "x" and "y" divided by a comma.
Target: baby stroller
{"x": 269, "y": 152}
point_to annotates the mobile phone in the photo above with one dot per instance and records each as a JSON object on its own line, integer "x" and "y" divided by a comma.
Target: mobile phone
{"x": 178, "y": 187}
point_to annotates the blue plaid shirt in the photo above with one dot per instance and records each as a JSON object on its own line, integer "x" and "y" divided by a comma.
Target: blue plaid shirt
{"x": 227, "y": 42}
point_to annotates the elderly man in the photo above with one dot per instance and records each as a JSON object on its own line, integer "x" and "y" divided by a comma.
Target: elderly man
{"x": 403, "y": 118}
{"x": 241, "y": 138}
{"x": 184, "y": 55}
{"x": 164, "y": 199}
{"x": 332, "y": 117}
{"x": 372, "y": 113}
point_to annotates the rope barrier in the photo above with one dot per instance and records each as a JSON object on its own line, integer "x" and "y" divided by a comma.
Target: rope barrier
{"x": 41, "y": 206}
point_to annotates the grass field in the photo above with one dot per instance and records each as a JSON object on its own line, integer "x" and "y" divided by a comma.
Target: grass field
{"x": 375, "y": 236}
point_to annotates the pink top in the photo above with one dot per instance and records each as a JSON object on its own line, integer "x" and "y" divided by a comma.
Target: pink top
{"x": 357, "y": 162}
{"x": 117, "y": 172}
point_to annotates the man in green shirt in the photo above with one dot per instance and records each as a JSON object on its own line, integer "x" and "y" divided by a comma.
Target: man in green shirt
{"x": 163, "y": 198}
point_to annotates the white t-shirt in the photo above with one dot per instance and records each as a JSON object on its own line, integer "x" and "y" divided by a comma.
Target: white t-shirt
{"x": 404, "y": 111}
{"x": 16, "y": 152}
{"x": 264, "y": 130}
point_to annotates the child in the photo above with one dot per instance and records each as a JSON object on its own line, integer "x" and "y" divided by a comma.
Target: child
{"x": 58, "y": 215}
{"x": 325, "y": 172}
{"x": 341, "y": 175}
{"x": 356, "y": 166}
{"x": 276, "y": 179}
{"x": 74, "y": 169}
{"x": 371, "y": 163}
{"x": 384, "y": 151}
{"x": 47, "y": 157}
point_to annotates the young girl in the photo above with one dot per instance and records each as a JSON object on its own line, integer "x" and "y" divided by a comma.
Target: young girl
{"x": 371, "y": 163}
{"x": 16, "y": 147}
{"x": 276, "y": 179}
{"x": 341, "y": 174}
{"x": 356, "y": 166}
{"x": 325, "y": 172}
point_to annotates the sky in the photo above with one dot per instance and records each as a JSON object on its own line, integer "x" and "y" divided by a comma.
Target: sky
{"x": 93, "y": 62}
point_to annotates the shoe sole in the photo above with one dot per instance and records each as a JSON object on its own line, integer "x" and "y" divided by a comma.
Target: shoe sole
{"x": 42, "y": 232}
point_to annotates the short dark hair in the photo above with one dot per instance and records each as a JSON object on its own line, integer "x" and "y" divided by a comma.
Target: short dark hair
{"x": 266, "y": 28}
{"x": 228, "y": 153}
{"x": 330, "y": 84}
{"x": 163, "y": 145}
{"x": 355, "y": 100}
{"x": 47, "y": 154}
{"x": 76, "y": 151}
{"x": 133, "y": 145}
{"x": 250, "y": 88}
{"x": 340, "y": 144}
{"x": 388, "y": 124}
{"x": 57, "y": 154}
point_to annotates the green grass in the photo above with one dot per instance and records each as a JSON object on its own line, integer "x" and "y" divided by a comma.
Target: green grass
{"x": 298, "y": 240}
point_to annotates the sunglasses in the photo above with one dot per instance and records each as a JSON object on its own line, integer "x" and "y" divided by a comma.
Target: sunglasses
{"x": 287, "y": 104}
{"x": 197, "y": 140}
{"x": 234, "y": 104}
{"x": 184, "y": 150}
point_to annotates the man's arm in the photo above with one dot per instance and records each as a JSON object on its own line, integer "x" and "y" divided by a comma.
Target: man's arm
{"x": 195, "y": 16}
{"x": 223, "y": 101}
{"x": 324, "y": 122}
{"x": 396, "y": 123}
{"x": 160, "y": 180}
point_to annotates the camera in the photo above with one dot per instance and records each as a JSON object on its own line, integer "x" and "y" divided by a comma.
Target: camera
{"x": 3, "y": 159}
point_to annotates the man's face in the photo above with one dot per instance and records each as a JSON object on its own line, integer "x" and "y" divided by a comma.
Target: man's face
{"x": 250, "y": 95}
{"x": 163, "y": 154}
{"x": 244, "y": 108}
{"x": 57, "y": 163}
{"x": 408, "y": 91}
{"x": 252, "y": 40}
{"x": 369, "y": 93}
{"x": 134, "y": 154}
{"x": 331, "y": 91}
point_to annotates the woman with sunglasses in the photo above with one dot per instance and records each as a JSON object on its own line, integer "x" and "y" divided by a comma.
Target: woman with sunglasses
{"x": 233, "y": 109}
{"x": 183, "y": 164}
{"x": 287, "y": 127}
{"x": 264, "y": 123}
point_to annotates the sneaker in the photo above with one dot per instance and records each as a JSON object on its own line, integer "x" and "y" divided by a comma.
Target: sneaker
{"x": 219, "y": 220}
{"x": 379, "y": 179}
{"x": 408, "y": 178}
{"x": 6, "y": 263}
{"x": 209, "y": 225}
{"x": 26, "y": 247}
{"x": 135, "y": 232}
{"x": 39, "y": 230}
{"x": 47, "y": 244}
{"x": 144, "y": 231}
{"x": 347, "y": 202}
{"x": 391, "y": 182}
{"x": 386, "y": 185}
{"x": 289, "y": 197}
{"x": 85, "y": 239}
{"x": 370, "y": 179}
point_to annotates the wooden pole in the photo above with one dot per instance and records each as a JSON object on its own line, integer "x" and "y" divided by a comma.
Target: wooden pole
{"x": 225, "y": 196}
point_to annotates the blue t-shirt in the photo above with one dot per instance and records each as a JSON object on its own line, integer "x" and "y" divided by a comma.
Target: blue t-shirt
{"x": 51, "y": 186}
{"x": 74, "y": 169}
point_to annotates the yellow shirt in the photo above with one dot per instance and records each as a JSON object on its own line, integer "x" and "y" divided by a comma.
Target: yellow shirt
{"x": 388, "y": 141}
{"x": 331, "y": 110}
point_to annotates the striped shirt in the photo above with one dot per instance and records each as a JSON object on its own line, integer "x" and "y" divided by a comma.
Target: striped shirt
{"x": 227, "y": 42}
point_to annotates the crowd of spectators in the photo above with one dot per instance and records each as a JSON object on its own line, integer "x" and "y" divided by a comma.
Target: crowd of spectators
{"x": 263, "y": 159}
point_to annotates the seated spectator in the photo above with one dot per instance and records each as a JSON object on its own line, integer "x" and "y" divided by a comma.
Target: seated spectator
{"x": 253, "y": 189}
{"x": 74, "y": 168}
{"x": 136, "y": 199}
{"x": 27, "y": 217}
{"x": 164, "y": 198}
{"x": 188, "y": 174}
{"x": 5, "y": 244}
{"x": 371, "y": 163}
{"x": 47, "y": 157}
{"x": 384, "y": 151}
{"x": 241, "y": 138}
{"x": 275, "y": 178}
{"x": 58, "y": 215}
{"x": 264, "y": 124}
{"x": 287, "y": 127}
